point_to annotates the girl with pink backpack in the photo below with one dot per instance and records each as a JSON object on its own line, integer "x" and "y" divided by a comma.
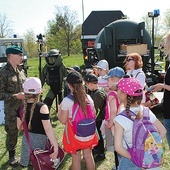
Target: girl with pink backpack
{"x": 130, "y": 95}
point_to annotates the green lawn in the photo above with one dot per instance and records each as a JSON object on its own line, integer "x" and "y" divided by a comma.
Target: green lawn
{"x": 58, "y": 127}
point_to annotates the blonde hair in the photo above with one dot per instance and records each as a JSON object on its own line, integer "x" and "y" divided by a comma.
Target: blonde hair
{"x": 132, "y": 100}
{"x": 36, "y": 99}
{"x": 166, "y": 39}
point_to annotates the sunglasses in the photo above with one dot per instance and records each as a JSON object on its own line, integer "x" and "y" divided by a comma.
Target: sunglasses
{"x": 129, "y": 59}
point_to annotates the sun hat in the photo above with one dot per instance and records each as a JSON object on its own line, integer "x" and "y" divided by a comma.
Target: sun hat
{"x": 130, "y": 86}
{"x": 103, "y": 64}
{"x": 91, "y": 78}
{"x": 32, "y": 85}
{"x": 115, "y": 72}
{"x": 14, "y": 50}
{"x": 74, "y": 77}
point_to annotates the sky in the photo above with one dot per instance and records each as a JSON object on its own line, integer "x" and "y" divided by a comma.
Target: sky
{"x": 34, "y": 14}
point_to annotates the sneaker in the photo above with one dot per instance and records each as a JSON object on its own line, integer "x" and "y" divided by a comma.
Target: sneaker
{"x": 99, "y": 157}
{"x": 13, "y": 161}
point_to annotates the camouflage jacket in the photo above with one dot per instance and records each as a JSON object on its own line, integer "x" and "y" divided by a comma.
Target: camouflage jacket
{"x": 11, "y": 83}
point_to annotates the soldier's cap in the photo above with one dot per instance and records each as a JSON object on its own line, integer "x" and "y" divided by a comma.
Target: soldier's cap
{"x": 74, "y": 77}
{"x": 91, "y": 78}
{"x": 32, "y": 85}
{"x": 14, "y": 50}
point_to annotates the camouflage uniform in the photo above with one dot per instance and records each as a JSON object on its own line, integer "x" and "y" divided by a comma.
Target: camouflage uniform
{"x": 11, "y": 83}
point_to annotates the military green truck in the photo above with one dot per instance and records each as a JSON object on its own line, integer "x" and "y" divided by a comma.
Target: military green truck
{"x": 109, "y": 35}
{"x": 4, "y": 43}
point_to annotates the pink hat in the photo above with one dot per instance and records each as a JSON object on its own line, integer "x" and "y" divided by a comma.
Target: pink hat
{"x": 32, "y": 85}
{"x": 130, "y": 86}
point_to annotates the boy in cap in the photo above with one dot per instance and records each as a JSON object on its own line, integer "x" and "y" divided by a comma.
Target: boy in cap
{"x": 113, "y": 76}
{"x": 11, "y": 92}
{"x": 103, "y": 68}
{"x": 99, "y": 98}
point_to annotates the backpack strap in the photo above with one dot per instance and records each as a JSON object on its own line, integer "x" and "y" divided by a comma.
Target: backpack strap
{"x": 138, "y": 73}
{"x": 146, "y": 113}
{"x": 123, "y": 113}
{"x": 70, "y": 96}
{"x": 112, "y": 93}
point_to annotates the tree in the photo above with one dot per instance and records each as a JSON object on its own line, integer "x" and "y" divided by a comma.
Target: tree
{"x": 157, "y": 27}
{"x": 63, "y": 32}
{"x": 5, "y": 27}
{"x": 167, "y": 20}
{"x": 30, "y": 43}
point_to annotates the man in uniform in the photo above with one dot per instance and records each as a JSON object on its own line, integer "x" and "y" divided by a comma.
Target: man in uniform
{"x": 11, "y": 80}
{"x": 53, "y": 74}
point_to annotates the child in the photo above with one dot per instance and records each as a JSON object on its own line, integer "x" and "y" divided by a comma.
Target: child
{"x": 113, "y": 76}
{"x": 102, "y": 68}
{"x": 130, "y": 95}
{"x": 99, "y": 98}
{"x": 36, "y": 115}
{"x": 75, "y": 83}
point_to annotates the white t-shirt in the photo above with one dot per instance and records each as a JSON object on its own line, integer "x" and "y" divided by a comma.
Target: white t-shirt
{"x": 127, "y": 124}
{"x": 140, "y": 75}
{"x": 67, "y": 104}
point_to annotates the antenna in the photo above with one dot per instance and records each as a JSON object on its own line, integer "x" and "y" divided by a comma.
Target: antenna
{"x": 83, "y": 9}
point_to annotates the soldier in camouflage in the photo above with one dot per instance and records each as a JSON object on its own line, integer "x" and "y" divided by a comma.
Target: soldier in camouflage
{"x": 11, "y": 80}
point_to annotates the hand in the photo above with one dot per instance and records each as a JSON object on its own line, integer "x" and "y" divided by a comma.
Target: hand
{"x": 55, "y": 153}
{"x": 157, "y": 87}
{"x": 109, "y": 124}
{"x": 20, "y": 96}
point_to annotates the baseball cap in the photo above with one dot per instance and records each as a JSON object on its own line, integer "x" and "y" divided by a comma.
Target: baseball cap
{"x": 75, "y": 67}
{"x": 103, "y": 64}
{"x": 32, "y": 85}
{"x": 91, "y": 78}
{"x": 115, "y": 72}
{"x": 130, "y": 86}
{"x": 14, "y": 50}
{"x": 74, "y": 78}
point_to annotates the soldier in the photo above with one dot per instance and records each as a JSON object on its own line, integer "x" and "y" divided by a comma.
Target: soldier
{"x": 53, "y": 74}
{"x": 11, "y": 79}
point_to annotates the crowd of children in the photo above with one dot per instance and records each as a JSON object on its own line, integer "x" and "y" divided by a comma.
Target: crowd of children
{"x": 108, "y": 94}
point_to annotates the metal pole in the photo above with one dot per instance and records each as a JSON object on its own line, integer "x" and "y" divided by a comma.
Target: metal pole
{"x": 152, "y": 51}
{"x": 83, "y": 9}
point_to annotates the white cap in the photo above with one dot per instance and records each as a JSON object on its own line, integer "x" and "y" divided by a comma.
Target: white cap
{"x": 103, "y": 64}
{"x": 32, "y": 85}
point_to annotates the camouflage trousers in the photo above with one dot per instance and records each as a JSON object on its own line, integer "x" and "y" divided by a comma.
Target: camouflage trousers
{"x": 11, "y": 129}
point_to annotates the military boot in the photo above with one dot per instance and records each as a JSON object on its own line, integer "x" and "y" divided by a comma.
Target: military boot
{"x": 12, "y": 158}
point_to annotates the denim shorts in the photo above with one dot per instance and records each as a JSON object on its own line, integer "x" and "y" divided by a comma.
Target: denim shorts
{"x": 126, "y": 164}
{"x": 167, "y": 126}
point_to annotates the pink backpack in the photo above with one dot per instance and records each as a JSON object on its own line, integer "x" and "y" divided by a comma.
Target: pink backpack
{"x": 107, "y": 110}
{"x": 84, "y": 127}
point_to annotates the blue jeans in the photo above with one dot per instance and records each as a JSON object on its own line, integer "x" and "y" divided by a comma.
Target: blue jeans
{"x": 126, "y": 164}
{"x": 167, "y": 126}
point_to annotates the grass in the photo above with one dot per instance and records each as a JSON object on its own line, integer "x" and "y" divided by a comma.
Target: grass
{"x": 107, "y": 164}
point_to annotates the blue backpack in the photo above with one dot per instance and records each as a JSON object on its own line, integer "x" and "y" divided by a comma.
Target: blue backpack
{"x": 147, "y": 149}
